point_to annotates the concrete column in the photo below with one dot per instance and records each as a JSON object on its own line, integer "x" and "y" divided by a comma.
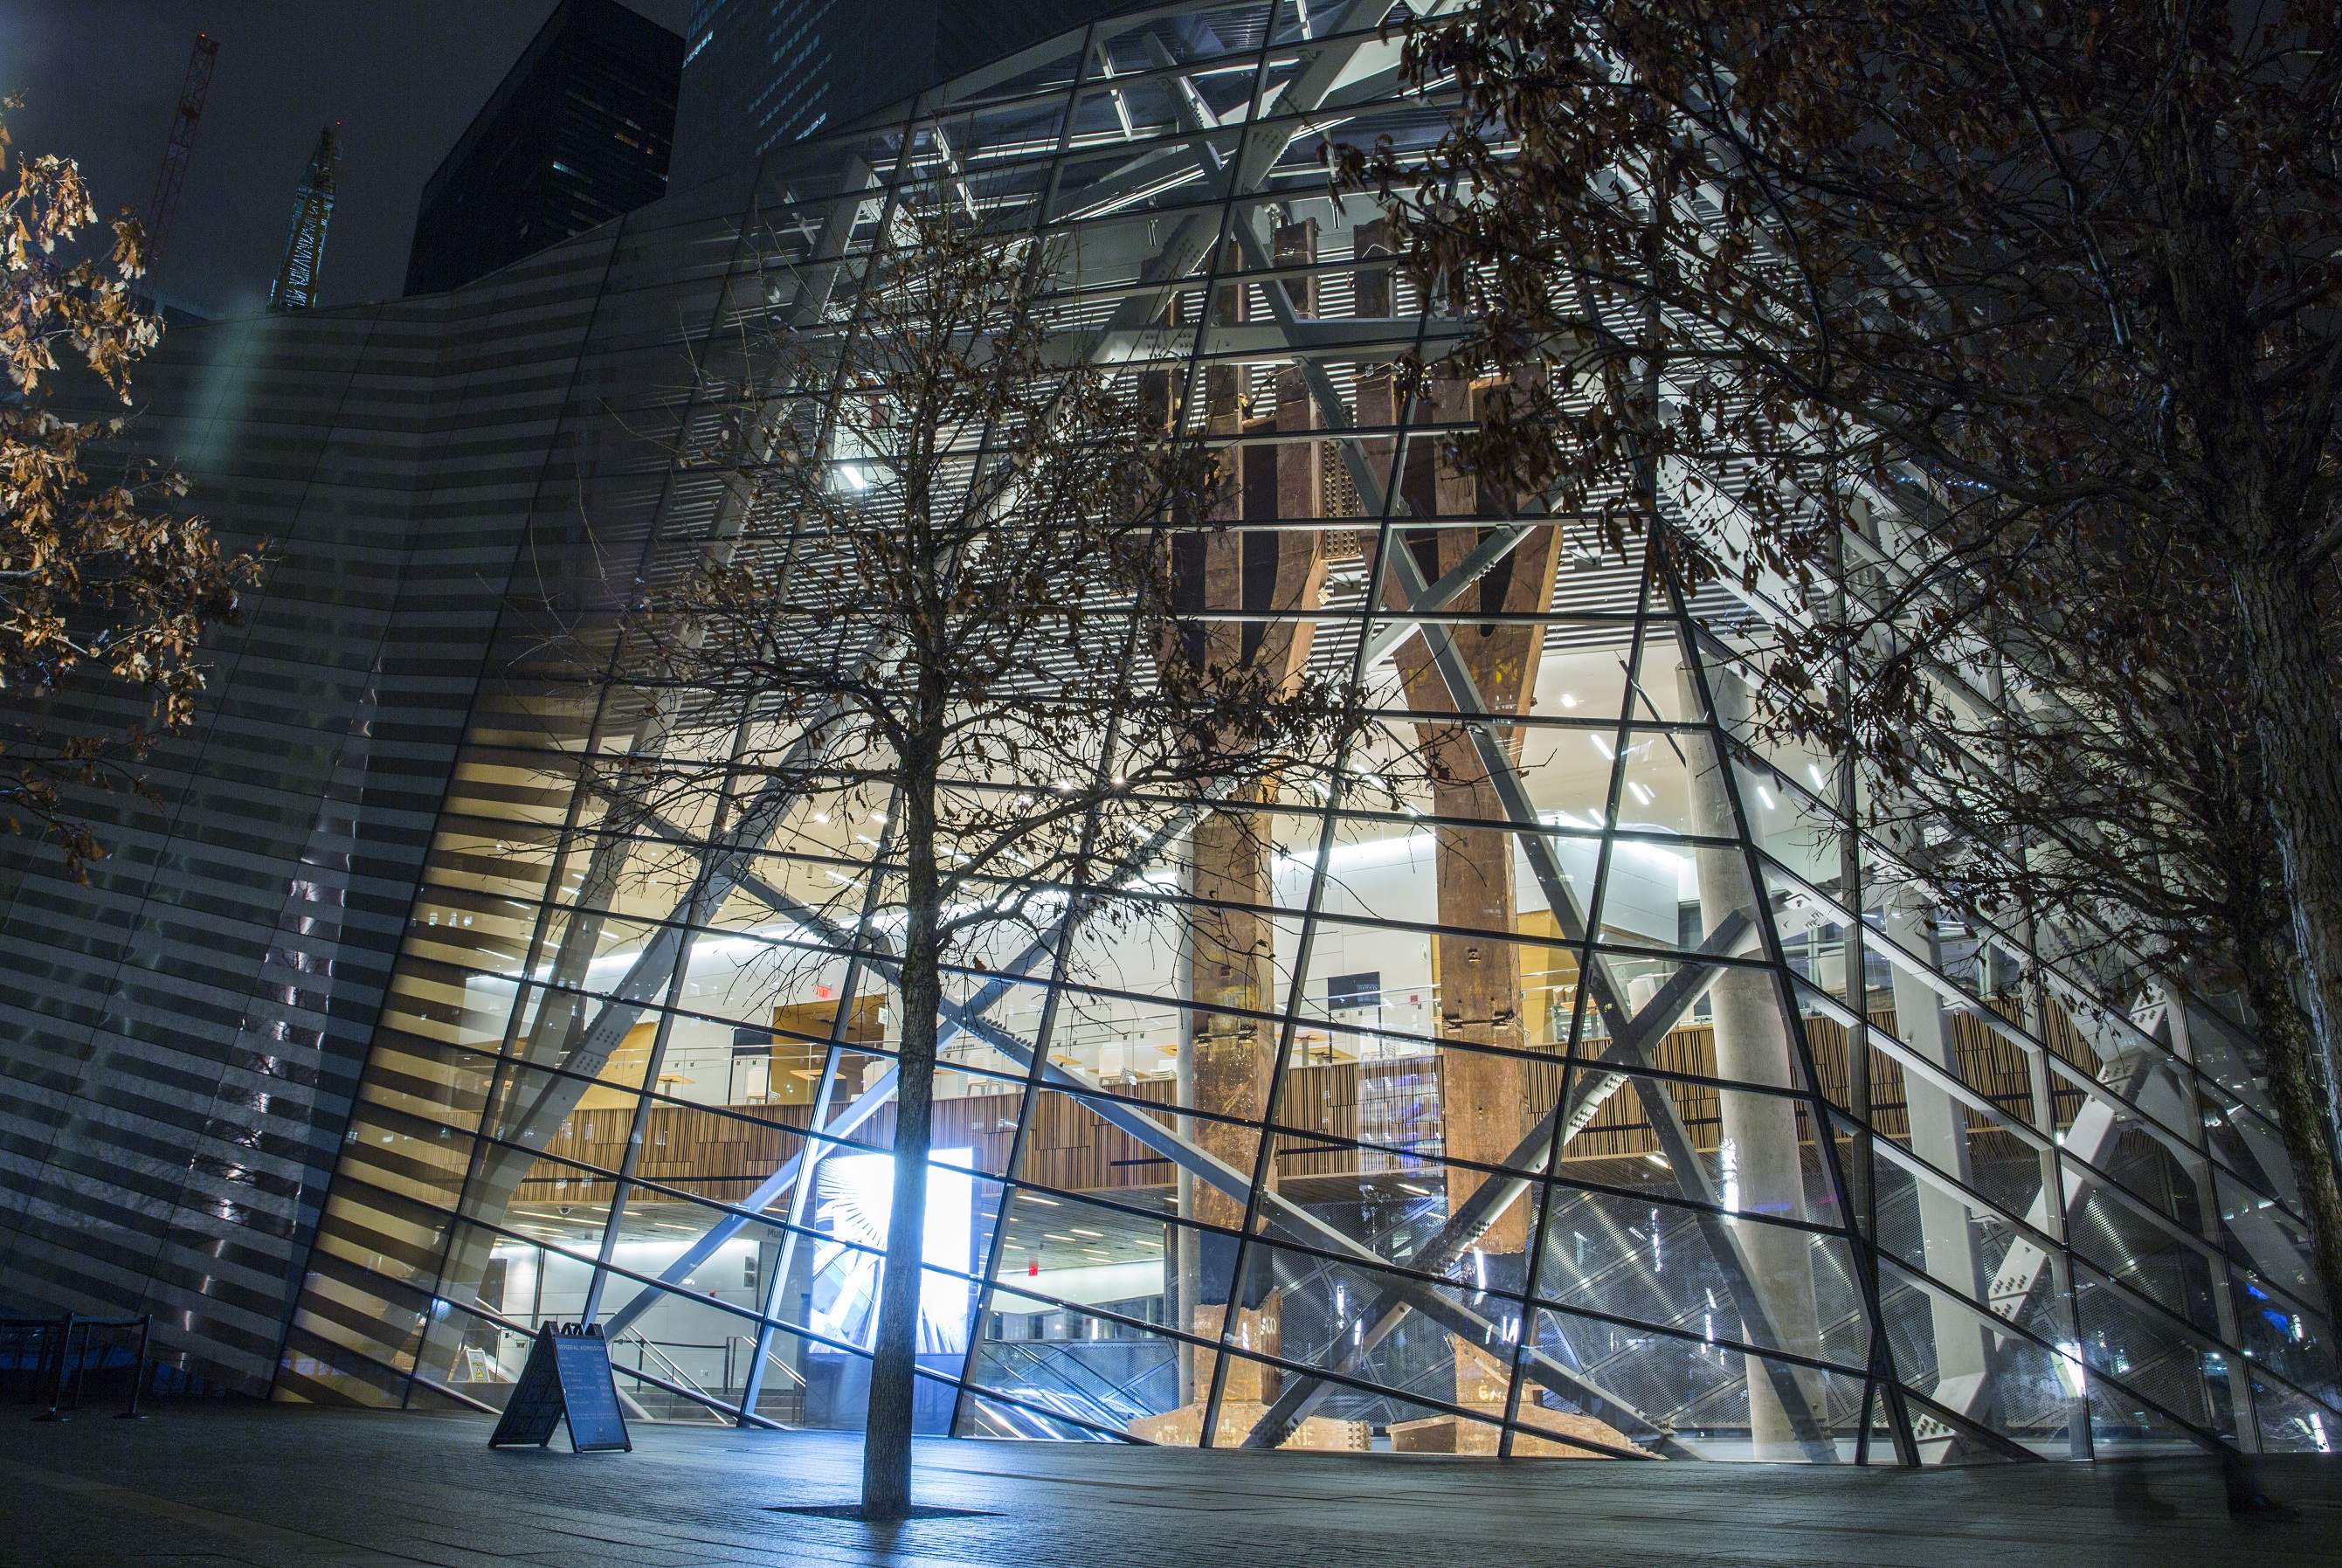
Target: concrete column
{"x": 1762, "y": 1171}
{"x": 1940, "y": 1135}
{"x": 1300, "y": 468}
{"x": 1376, "y": 396}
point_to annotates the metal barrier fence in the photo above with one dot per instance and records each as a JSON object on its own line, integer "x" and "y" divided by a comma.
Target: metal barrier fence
{"x": 55, "y": 1358}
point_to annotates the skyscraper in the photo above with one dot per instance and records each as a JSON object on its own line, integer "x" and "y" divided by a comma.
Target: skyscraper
{"x": 577, "y": 133}
{"x": 760, "y": 73}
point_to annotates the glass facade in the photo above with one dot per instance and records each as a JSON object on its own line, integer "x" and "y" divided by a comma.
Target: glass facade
{"x": 760, "y": 73}
{"x": 1617, "y": 1096}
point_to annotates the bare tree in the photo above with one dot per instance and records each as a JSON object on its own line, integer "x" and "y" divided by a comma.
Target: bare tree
{"x": 2042, "y": 277}
{"x": 952, "y": 613}
{"x": 102, "y": 574}
{"x": 2037, "y": 310}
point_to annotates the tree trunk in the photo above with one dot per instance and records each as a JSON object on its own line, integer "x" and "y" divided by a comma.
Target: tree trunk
{"x": 894, "y": 1377}
{"x": 2292, "y": 1078}
{"x": 2295, "y": 719}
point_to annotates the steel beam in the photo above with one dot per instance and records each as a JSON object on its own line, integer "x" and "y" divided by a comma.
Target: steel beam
{"x": 1301, "y": 1395}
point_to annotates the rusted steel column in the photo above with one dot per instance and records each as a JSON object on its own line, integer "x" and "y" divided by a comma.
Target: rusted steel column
{"x": 1483, "y": 1098}
{"x": 1226, "y": 1058}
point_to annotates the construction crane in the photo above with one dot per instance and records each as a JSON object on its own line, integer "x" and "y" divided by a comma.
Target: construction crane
{"x": 305, "y": 248}
{"x": 165, "y": 205}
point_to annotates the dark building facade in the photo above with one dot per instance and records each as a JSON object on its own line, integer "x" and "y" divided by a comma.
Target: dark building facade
{"x": 578, "y": 132}
{"x": 759, "y": 74}
{"x": 181, "y": 1038}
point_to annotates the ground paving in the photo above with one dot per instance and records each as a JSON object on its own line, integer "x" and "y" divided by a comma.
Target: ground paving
{"x": 212, "y": 1485}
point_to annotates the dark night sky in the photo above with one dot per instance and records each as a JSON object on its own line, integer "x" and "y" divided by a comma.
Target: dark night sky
{"x": 100, "y": 79}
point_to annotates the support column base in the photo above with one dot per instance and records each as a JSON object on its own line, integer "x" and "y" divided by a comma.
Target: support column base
{"x": 1454, "y": 1435}
{"x": 1184, "y": 1428}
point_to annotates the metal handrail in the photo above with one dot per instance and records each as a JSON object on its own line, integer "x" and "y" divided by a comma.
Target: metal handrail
{"x": 691, "y": 1387}
{"x": 1053, "y": 1356}
{"x": 67, "y": 1371}
{"x": 485, "y": 1313}
{"x": 750, "y": 1341}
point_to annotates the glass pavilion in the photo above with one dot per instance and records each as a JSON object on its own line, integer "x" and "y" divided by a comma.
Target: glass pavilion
{"x": 1617, "y": 1097}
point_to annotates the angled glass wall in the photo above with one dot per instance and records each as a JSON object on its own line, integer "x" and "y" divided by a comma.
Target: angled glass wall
{"x": 1615, "y": 1095}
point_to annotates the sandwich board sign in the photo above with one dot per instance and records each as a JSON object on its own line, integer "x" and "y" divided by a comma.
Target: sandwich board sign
{"x": 567, "y": 1374}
